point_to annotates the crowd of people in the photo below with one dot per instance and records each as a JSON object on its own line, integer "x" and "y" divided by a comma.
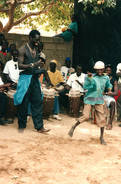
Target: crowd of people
{"x": 23, "y": 71}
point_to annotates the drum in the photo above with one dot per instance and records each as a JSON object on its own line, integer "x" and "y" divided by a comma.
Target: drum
{"x": 74, "y": 103}
{"x": 48, "y": 102}
{"x": 11, "y": 108}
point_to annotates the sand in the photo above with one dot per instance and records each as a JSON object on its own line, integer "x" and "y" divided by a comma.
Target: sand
{"x": 55, "y": 158}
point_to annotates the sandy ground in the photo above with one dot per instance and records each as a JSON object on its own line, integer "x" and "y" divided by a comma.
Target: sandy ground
{"x": 33, "y": 158}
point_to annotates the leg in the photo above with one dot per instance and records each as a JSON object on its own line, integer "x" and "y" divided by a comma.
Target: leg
{"x": 102, "y": 141}
{"x": 101, "y": 120}
{"x": 83, "y": 118}
{"x": 23, "y": 111}
{"x": 36, "y": 104}
{"x": 112, "y": 113}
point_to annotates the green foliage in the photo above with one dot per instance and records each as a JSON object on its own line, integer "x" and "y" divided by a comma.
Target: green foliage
{"x": 52, "y": 16}
{"x": 98, "y": 6}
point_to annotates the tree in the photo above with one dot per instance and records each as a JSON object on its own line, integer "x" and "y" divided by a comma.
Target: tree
{"x": 30, "y": 12}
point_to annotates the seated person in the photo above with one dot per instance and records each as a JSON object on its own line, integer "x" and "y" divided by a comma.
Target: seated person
{"x": 76, "y": 80}
{"x": 56, "y": 79}
{"x": 67, "y": 70}
{"x": 71, "y": 31}
{"x": 11, "y": 70}
{"x": 109, "y": 97}
{"x": 3, "y": 99}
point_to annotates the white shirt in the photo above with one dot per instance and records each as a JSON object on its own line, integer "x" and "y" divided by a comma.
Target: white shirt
{"x": 72, "y": 81}
{"x": 119, "y": 70}
{"x": 66, "y": 71}
{"x": 1, "y": 82}
{"x": 11, "y": 68}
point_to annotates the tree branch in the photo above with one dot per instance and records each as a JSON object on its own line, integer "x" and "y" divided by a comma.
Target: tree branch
{"x": 27, "y": 15}
{"x": 4, "y": 10}
{"x": 25, "y": 2}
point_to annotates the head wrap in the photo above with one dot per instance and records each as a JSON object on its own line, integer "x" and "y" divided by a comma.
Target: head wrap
{"x": 53, "y": 61}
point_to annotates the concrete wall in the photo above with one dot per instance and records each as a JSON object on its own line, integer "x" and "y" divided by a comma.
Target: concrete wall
{"x": 54, "y": 48}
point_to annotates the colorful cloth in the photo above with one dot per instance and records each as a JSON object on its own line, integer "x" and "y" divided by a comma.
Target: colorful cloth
{"x": 55, "y": 77}
{"x": 67, "y": 35}
{"x": 22, "y": 87}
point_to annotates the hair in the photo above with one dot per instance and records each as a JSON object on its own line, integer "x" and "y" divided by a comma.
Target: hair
{"x": 33, "y": 33}
{"x": 108, "y": 66}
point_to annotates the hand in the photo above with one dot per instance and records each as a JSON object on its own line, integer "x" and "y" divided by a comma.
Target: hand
{"x": 109, "y": 93}
{"x": 7, "y": 85}
{"x": 89, "y": 74}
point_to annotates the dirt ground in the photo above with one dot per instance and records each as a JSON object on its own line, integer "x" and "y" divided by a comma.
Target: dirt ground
{"x": 33, "y": 158}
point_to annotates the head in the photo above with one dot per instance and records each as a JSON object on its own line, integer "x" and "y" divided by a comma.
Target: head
{"x": 12, "y": 47}
{"x": 53, "y": 64}
{"x": 108, "y": 69}
{"x": 78, "y": 70}
{"x": 99, "y": 67}
{"x": 34, "y": 38}
{"x": 15, "y": 54}
{"x": 68, "y": 62}
{"x": 4, "y": 45}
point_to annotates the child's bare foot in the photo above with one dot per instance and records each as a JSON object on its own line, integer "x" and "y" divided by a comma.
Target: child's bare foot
{"x": 109, "y": 127}
{"x": 102, "y": 141}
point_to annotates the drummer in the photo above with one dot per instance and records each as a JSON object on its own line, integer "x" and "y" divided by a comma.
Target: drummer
{"x": 56, "y": 79}
{"x": 76, "y": 80}
{"x": 11, "y": 70}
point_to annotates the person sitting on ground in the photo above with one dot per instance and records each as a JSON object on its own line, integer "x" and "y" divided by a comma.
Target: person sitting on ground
{"x": 109, "y": 96}
{"x": 3, "y": 98}
{"x": 56, "y": 79}
{"x": 11, "y": 70}
{"x": 67, "y": 70}
{"x": 71, "y": 31}
{"x": 95, "y": 86}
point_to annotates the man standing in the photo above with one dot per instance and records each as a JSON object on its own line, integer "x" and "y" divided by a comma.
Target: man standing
{"x": 28, "y": 89}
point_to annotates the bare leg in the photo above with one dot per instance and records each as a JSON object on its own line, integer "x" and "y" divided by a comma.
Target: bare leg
{"x": 71, "y": 131}
{"x": 102, "y": 141}
{"x": 112, "y": 113}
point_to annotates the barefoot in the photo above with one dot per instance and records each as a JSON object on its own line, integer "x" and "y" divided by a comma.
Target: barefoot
{"x": 71, "y": 131}
{"x": 102, "y": 141}
{"x": 109, "y": 127}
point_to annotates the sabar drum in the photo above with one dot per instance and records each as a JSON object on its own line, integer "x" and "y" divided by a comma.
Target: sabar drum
{"x": 48, "y": 102}
{"x": 74, "y": 102}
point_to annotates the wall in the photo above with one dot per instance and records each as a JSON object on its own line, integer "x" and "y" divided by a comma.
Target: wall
{"x": 54, "y": 48}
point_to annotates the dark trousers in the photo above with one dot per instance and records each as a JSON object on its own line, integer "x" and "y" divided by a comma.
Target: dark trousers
{"x": 33, "y": 96}
{"x": 3, "y": 104}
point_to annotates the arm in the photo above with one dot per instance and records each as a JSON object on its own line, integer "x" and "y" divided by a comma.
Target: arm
{"x": 115, "y": 93}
